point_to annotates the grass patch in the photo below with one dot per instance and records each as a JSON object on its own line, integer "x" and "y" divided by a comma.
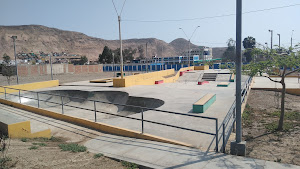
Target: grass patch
{"x": 3, "y": 162}
{"x": 275, "y": 114}
{"x": 247, "y": 115}
{"x": 129, "y": 165}
{"x": 292, "y": 116}
{"x": 33, "y": 147}
{"x": 24, "y": 139}
{"x": 40, "y": 144}
{"x": 98, "y": 155}
{"x": 72, "y": 147}
{"x": 271, "y": 127}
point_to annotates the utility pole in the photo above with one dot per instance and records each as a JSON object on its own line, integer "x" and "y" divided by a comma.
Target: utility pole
{"x": 146, "y": 56}
{"x": 113, "y": 55}
{"x": 238, "y": 147}
{"x": 51, "y": 66}
{"x": 279, "y": 39}
{"x": 292, "y": 39}
{"x": 16, "y": 64}
{"x": 271, "y": 38}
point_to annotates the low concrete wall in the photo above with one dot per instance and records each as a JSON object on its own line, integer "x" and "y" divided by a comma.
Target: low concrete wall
{"x": 149, "y": 78}
{"x": 205, "y": 67}
{"x": 22, "y": 130}
{"x": 34, "y": 70}
{"x": 93, "y": 125}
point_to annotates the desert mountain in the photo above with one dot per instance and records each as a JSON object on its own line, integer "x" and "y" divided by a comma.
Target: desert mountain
{"x": 37, "y": 38}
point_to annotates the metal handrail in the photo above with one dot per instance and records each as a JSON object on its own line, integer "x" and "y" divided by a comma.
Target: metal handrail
{"x": 231, "y": 113}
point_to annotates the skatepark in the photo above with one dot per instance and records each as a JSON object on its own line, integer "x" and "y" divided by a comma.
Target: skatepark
{"x": 164, "y": 110}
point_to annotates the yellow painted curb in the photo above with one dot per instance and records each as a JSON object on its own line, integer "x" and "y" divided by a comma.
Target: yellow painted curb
{"x": 93, "y": 125}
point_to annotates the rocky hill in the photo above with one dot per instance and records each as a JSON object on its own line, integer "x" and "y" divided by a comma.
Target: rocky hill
{"x": 37, "y": 38}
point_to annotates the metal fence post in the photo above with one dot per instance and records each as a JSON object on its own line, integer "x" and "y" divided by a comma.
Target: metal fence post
{"x": 234, "y": 120}
{"x": 217, "y": 138}
{"x": 62, "y": 105}
{"x": 5, "y": 92}
{"x": 95, "y": 111}
{"x": 37, "y": 95}
{"x": 20, "y": 96}
{"x": 223, "y": 148}
{"x": 142, "y": 120}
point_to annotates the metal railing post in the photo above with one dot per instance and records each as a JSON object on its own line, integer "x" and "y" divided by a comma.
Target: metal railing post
{"x": 20, "y": 96}
{"x": 37, "y": 95}
{"x": 5, "y": 92}
{"x": 142, "y": 120}
{"x": 223, "y": 147}
{"x": 62, "y": 105}
{"x": 95, "y": 111}
{"x": 233, "y": 127}
{"x": 217, "y": 138}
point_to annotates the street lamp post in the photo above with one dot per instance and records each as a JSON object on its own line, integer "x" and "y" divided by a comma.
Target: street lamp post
{"x": 119, "y": 20}
{"x": 189, "y": 39}
{"x": 271, "y": 38}
{"x": 16, "y": 64}
{"x": 292, "y": 38}
{"x": 279, "y": 39}
{"x": 121, "y": 55}
{"x": 146, "y": 56}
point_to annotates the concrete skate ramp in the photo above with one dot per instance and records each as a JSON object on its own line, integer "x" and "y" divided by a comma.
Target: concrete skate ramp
{"x": 82, "y": 99}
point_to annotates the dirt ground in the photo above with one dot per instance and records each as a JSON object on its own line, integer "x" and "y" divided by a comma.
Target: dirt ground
{"x": 260, "y": 120}
{"x": 49, "y": 155}
{"x": 63, "y": 78}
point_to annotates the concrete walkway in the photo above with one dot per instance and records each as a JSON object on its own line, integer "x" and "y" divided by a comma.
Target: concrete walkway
{"x": 143, "y": 152}
{"x": 263, "y": 82}
{"x": 161, "y": 155}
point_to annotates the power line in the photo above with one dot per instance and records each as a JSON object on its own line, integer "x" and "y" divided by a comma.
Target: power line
{"x": 210, "y": 17}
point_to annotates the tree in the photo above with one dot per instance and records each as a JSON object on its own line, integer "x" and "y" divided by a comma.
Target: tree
{"x": 7, "y": 69}
{"x": 83, "y": 60}
{"x": 106, "y": 56}
{"x": 272, "y": 64}
{"x": 116, "y": 55}
{"x": 141, "y": 52}
{"x": 229, "y": 54}
{"x": 128, "y": 54}
{"x": 249, "y": 44}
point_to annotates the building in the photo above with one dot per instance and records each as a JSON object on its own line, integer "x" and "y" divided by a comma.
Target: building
{"x": 204, "y": 53}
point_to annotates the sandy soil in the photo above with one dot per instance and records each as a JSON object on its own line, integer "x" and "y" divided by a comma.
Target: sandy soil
{"x": 63, "y": 78}
{"x": 265, "y": 143}
{"x": 51, "y": 156}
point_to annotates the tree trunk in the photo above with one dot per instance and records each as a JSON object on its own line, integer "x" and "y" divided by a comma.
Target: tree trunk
{"x": 280, "y": 124}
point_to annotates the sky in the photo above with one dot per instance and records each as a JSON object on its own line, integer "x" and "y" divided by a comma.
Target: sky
{"x": 98, "y": 18}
